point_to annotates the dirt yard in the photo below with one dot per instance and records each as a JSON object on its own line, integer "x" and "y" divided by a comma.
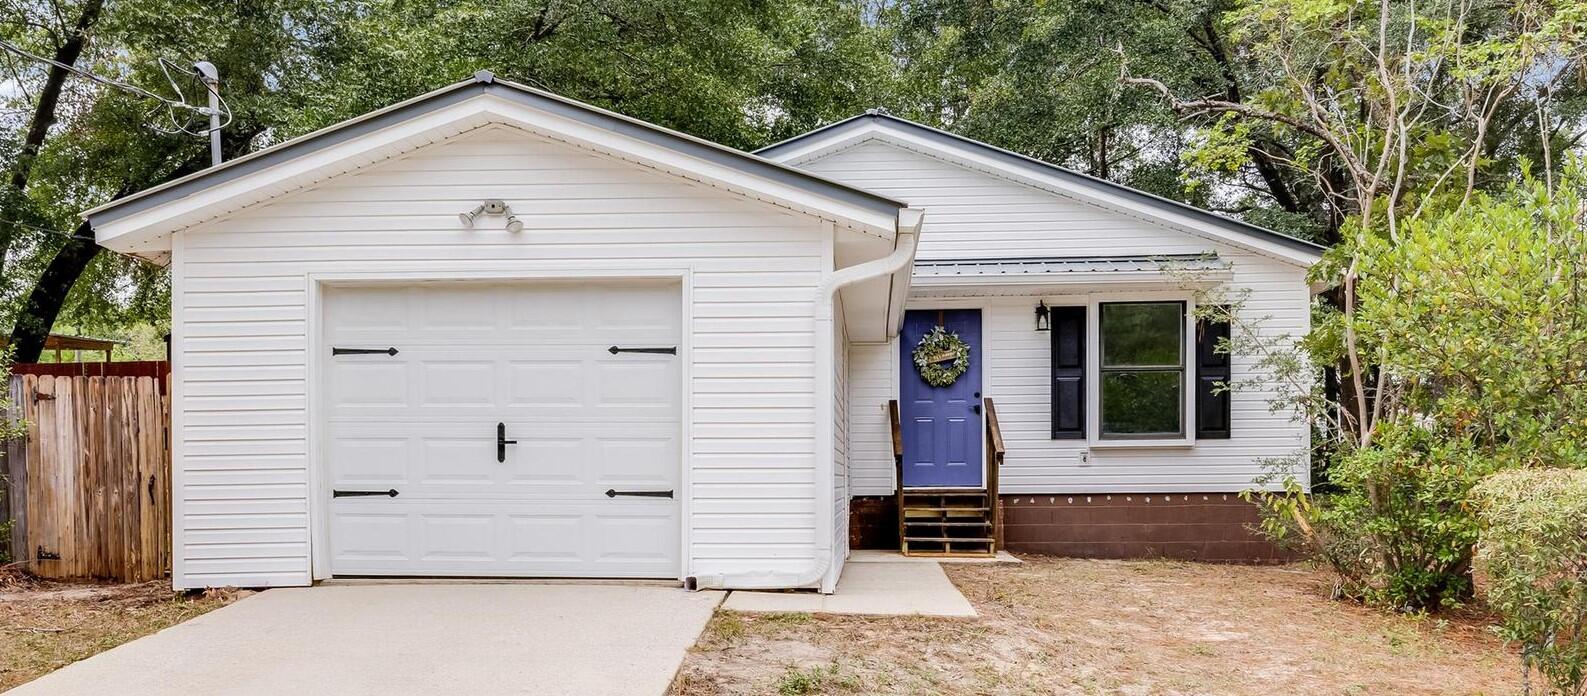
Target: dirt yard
{"x": 1063, "y": 626}
{"x": 45, "y": 626}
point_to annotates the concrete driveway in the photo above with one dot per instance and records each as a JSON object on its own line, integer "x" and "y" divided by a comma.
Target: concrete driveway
{"x": 409, "y": 639}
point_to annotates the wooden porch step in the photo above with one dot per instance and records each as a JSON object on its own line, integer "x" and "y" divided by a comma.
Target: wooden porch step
{"x": 960, "y": 540}
{"x": 944, "y": 491}
{"x": 952, "y": 554}
{"x": 909, "y": 509}
{"x": 945, "y": 523}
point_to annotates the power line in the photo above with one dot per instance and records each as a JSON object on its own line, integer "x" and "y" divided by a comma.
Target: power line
{"x": 74, "y": 236}
{"x": 91, "y": 76}
{"x": 165, "y": 68}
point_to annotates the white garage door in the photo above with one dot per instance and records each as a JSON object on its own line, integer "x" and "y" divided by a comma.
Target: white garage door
{"x": 520, "y": 432}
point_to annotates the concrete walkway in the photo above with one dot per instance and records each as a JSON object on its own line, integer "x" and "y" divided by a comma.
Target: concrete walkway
{"x": 882, "y": 584}
{"x": 396, "y": 640}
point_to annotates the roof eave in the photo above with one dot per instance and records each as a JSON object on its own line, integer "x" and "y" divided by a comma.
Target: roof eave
{"x": 879, "y": 213}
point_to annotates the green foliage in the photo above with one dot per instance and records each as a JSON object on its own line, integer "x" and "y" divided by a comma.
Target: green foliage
{"x": 1534, "y": 553}
{"x": 11, "y": 428}
{"x": 738, "y": 72}
{"x": 812, "y": 680}
{"x": 1041, "y": 78}
{"x": 1473, "y": 328}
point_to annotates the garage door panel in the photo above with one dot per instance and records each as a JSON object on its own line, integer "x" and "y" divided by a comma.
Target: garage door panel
{"x": 549, "y": 461}
{"x": 613, "y": 538}
{"x": 535, "y": 358}
{"x": 369, "y": 385}
{"x": 453, "y": 462}
{"x": 367, "y": 310}
{"x": 546, "y": 383}
{"x": 638, "y": 384}
{"x": 634, "y": 461}
{"x": 541, "y": 313}
{"x": 460, "y": 457}
{"x": 454, "y": 536}
{"x": 456, "y": 383}
{"x": 460, "y": 309}
{"x": 370, "y": 460}
{"x": 568, "y": 382}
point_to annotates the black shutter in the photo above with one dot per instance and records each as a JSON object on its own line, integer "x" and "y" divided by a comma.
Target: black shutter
{"x": 1212, "y": 368}
{"x": 1068, "y": 372}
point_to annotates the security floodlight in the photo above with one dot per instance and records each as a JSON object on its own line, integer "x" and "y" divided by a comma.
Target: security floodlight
{"x": 514, "y": 224}
{"x": 468, "y": 217}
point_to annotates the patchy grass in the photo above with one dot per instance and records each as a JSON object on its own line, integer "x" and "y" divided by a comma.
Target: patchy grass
{"x": 45, "y": 626}
{"x": 1133, "y": 627}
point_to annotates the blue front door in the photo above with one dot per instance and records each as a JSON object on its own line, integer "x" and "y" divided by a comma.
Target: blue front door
{"x": 942, "y": 425}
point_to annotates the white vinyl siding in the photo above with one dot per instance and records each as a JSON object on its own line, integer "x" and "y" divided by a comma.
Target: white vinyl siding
{"x": 244, "y": 318}
{"x": 972, "y": 214}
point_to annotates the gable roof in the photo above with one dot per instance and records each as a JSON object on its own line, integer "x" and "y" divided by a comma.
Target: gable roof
{"x": 856, "y": 207}
{"x": 978, "y": 155}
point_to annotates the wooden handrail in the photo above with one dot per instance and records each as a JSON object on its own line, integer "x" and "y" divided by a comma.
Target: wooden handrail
{"x": 994, "y": 434}
{"x": 994, "y": 462}
{"x": 898, "y": 429}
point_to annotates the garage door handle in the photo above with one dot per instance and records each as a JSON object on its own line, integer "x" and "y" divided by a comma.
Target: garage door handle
{"x": 502, "y": 442}
{"x": 613, "y": 493}
{"x": 363, "y": 494}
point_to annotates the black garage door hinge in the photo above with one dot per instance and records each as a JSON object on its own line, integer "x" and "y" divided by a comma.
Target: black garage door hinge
{"x": 613, "y": 493}
{"x": 363, "y": 351}
{"x": 363, "y": 494}
{"x": 669, "y": 350}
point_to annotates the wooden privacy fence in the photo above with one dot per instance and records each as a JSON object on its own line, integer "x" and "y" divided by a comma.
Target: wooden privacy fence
{"x": 89, "y": 488}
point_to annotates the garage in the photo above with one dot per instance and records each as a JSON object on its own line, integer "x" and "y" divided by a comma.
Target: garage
{"x": 525, "y": 429}
{"x": 494, "y": 332}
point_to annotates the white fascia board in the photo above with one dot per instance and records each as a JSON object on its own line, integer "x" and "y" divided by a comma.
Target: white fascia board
{"x": 880, "y": 130}
{"x": 149, "y": 230}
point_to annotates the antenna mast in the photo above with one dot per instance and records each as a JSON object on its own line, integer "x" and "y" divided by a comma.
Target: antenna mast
{"x": 211, "y": 79}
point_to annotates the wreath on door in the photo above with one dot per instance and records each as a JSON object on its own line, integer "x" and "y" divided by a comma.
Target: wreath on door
{"x": 941, "y": 357}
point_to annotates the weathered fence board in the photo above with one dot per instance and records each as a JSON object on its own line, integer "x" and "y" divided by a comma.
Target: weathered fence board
{"x": 90, "y": 484}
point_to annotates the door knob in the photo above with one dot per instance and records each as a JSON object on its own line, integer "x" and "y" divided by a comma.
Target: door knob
{"x": 502, "y": 442}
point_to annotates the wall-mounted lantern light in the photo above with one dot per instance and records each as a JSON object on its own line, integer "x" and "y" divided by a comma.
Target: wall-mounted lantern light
{"x": 1042, "y": 314}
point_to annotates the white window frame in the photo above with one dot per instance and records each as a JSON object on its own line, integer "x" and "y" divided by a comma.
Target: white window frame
{"x": 1094, "y": 436}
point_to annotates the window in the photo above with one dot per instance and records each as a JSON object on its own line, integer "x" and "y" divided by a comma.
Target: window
{"x": 1142, "y": 369}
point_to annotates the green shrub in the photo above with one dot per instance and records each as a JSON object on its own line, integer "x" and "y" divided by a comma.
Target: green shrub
{"x": 1468, "y": 343}
{"x": 1533, "y": 550}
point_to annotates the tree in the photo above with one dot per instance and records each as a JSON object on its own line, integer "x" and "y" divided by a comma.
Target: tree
{"x": 1475, "y": 321}
{"x": 735, "y": 72}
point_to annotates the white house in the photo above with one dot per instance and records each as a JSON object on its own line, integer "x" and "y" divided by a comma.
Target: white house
{"x": 493, "y": 332}
{"x": 1153, "y": 471}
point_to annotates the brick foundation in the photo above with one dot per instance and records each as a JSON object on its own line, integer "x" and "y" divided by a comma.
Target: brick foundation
{"x": 1188, "y": 526}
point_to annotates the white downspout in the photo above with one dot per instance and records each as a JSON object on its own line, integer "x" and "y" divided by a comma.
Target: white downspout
{"x": 825, "y": 336}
